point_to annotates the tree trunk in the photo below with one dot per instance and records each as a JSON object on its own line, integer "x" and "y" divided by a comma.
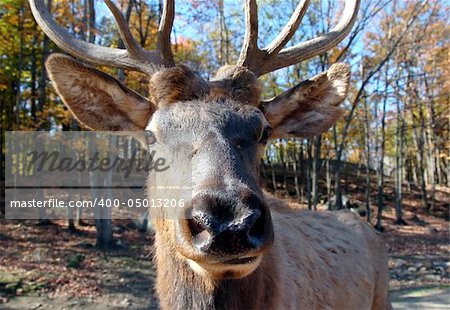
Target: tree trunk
{"x": 399, "y": 160}
{"x": 274, "y": 181}
{"x": 34, "y": 77}
{"x": 433, "y": 153}
{"x": 422, "y": 171}
{"x": 302, "y": 172}
{"x": 308, "y": 174}
{"x": 294, "y": 167}
{"x": 419, "y": 139}
{"x": 337, "y": 172}
{"x": 224, "y": 40}
{"x": 42, "y": 98}
{"x": 368, "y": 159}
{"x": 18, "y": 91}
{"x": 316, "y": 170}
{"x": 43, "y": 77}
{"x": 100, "y": 192}
{"x": 121, "y": 72}
{"x": 379, "y": 225}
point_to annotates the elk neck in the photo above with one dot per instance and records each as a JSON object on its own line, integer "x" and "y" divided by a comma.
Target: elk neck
{"x": 179, "y": 287}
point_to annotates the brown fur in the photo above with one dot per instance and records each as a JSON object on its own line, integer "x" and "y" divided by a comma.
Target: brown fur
{"x": 329, "y": 260}
{"x": 237, "y": 83}
{"x": 176, "y": 84}
{"x": 101, "y": 102}
{"x": 181, "y": 84}
{"x": 317, "y": 261}
{"x": 310, "y": 107}
{"x": 96, "y": 99}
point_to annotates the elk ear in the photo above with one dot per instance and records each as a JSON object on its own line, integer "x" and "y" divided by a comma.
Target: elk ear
{"x": 311, "y": 107}
{"x": 96, "y": 99}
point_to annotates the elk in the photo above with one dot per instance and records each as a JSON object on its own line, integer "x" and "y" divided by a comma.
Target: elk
{"x": 240, "y": 248}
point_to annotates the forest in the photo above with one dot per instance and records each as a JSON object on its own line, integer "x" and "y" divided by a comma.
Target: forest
{"x": 387, "y": 158}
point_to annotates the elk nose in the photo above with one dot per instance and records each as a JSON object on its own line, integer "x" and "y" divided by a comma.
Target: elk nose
{"x": 221, "y": 226}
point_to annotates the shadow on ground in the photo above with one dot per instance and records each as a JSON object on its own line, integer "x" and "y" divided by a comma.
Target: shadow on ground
{"x": 430, "y": 298}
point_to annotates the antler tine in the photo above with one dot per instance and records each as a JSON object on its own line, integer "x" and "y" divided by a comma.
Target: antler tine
{"x": 289, "y": 30}
{"x": 124, "y": 31}
{"x": 133, "y": 58}
{"x": 164, "y": 30}
{"x": 305, "y": 50}
{"x": 250, "y": 48}
{"x": 275, "y": 56}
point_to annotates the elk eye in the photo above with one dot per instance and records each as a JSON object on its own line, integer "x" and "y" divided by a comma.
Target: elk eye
{"x": 265, "y": 135}
{"x": 239, "y": 143}
{"x": 150, "y": 138}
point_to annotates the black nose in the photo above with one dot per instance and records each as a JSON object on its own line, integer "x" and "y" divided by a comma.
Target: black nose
{"x": 225, "y": 225}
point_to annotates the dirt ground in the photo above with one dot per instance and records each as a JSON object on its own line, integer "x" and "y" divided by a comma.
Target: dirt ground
{"x": 46, "y": 267}
{"x": 428, "y": 298}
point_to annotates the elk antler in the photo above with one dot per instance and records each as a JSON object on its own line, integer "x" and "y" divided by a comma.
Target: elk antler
{"x": 133, "y": 58}
{"x": 274, "y": 56}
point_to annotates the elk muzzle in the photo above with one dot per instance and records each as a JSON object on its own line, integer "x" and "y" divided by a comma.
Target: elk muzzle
{"x": 226, "y": 232}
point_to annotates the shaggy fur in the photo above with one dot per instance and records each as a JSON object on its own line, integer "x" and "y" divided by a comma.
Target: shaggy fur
{"x": 327, "y": 260}
{"x": 176, "y": 84}
{"x": 311, "y": 106}
{"x": 236, "y": 83}
{"x": 96, "y": 99}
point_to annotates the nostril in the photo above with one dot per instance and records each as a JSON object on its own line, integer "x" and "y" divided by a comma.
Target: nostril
{"x": 257, "y": 230}
{"x": 196, "y": 227}
{"x": 199, "y": 233}
{"x": 221, "y": 224}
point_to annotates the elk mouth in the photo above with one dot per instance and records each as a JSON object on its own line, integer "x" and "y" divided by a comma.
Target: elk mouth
{"x": 235, "y": 268}
{"x": 239, "y": 261}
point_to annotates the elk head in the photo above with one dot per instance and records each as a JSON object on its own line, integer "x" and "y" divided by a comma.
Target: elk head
{"x": 230, "y": 226}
